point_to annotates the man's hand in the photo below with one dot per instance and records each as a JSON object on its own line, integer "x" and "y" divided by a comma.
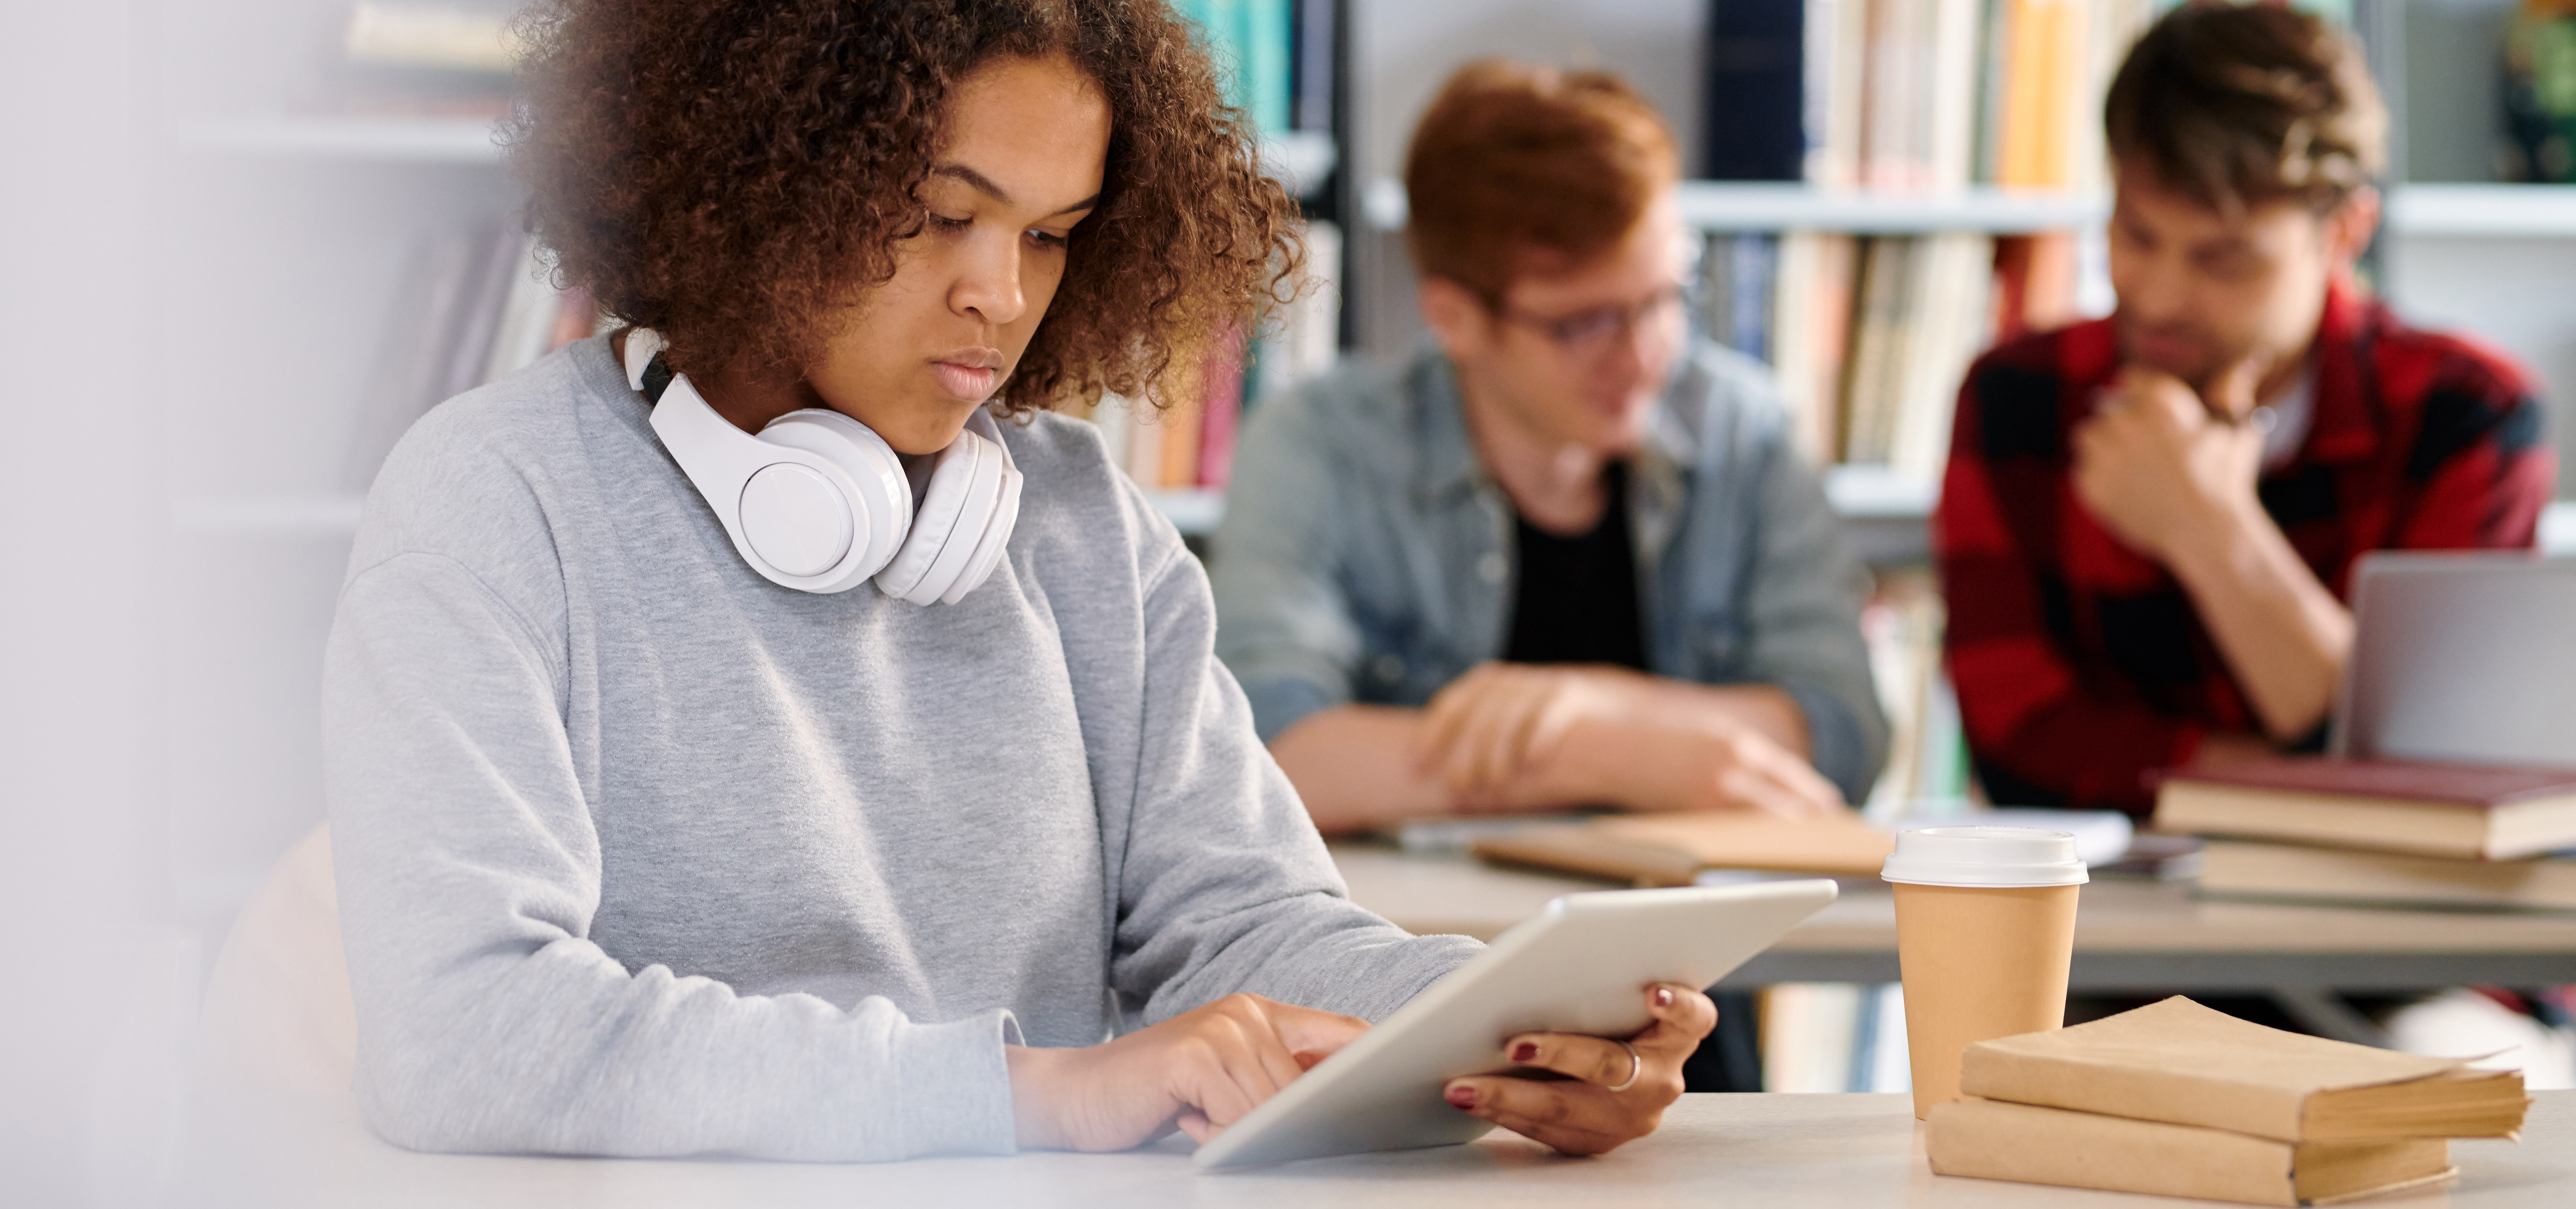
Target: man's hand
{"x": 1508, "y": 737}
{"x": 1198, "y": 1072}
{"x": 1494, "y": 724}
{"x": 1580, "y": 1114}
{"x": 2163, "y": 474}
{"x": 2158, "y": 471}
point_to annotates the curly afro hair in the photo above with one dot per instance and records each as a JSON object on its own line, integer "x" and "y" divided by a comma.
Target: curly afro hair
{"x": 730, "y": 174}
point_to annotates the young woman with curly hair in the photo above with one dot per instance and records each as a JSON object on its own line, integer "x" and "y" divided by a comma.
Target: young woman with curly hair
{"x": 650, "y": 842}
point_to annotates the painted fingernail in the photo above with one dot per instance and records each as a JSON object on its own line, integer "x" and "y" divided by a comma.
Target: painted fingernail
{"x": 1663, "y": 997}
{"x": 1461, "y": 1096}
{"x": 1524, "y": 1051}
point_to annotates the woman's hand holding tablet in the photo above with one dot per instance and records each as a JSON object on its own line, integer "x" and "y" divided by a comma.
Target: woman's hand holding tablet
{"x": 1204, "y": 1069}
{"x": 1613, "y": 1092}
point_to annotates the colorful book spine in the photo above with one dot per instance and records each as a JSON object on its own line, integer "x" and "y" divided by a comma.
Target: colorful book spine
{"x": 1753, "y": 76}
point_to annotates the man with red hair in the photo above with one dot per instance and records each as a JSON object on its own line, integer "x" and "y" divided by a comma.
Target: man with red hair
{"x": 1564, "y": 555}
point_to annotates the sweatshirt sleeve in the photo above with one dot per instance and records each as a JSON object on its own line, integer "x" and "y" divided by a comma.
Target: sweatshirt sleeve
{"x": 468, "y": 864}
{"x": 1284, "y": 628}
{"x": 1224, "y": 885}
{"x": 1803, "y": 603}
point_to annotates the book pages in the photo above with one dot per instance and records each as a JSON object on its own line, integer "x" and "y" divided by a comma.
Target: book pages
{"x": 2179, "y": 1061}
{"x": 1992, "y": 1140}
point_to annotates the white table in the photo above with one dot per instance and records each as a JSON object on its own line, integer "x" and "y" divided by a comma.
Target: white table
{"x": 1774, "y": 1151}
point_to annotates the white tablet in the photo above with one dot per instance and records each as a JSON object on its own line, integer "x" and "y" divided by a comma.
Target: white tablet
{"x": 1581, "y": 965}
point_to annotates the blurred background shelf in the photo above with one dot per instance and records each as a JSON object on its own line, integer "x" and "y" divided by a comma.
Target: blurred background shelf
{"x": 317, "y": 515}
{"x": 1194, "y": 511}
{"x": 1732, "y": 206}
{"x": 2487, "y": 211}
{"x": 2438, "y": 210}
{"x": 403, "y": 140}
{"x": 1302, "y": 159}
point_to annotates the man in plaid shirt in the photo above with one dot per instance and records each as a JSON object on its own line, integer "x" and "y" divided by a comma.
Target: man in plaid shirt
{"x": 2150, "y": 522}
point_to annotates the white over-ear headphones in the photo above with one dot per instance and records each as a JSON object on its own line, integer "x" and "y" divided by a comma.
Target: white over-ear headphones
{"x": 817, "y": 502}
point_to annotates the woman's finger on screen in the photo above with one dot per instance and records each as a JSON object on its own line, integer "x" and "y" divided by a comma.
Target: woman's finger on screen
{"x": 1319, "y": 1034}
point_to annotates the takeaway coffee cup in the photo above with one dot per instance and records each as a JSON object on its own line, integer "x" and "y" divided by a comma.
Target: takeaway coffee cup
{"x": 1985, "y": 926}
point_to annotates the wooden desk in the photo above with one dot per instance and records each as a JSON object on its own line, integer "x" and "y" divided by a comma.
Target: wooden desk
{"x": 1776, "y": 1151}
{"x": 2129, "y": 935}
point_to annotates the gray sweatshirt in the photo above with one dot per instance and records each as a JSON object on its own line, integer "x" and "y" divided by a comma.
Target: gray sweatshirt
{"x": 639, "y": 854}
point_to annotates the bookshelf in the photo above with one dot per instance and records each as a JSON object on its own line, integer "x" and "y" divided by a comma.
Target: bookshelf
{"x": 1302, "y": 159}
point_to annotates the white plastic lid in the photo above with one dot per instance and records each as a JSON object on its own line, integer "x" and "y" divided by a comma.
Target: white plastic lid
{"x": 1984, "y": 856}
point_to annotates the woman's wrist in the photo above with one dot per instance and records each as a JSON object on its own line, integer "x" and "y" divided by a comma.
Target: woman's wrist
{"x": 1035, "y": 1076}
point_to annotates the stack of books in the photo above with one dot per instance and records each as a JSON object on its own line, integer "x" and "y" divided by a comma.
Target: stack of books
{"x": 2381, "y": 832}
{"x": 2176, "y": 1099}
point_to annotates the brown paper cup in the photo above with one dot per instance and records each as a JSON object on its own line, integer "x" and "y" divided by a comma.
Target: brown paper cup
{"x": 1979, "y": 962}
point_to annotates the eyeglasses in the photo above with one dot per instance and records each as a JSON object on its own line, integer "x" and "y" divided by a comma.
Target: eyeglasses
{"x": 1592, "y": 329}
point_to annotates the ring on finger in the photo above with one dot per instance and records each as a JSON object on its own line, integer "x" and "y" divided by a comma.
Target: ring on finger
{"x": 1636, "y": 1067}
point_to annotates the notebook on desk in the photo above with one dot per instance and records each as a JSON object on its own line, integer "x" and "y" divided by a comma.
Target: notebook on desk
{"x": 1679, "y": 849}
{"x": 1671, "y": 849}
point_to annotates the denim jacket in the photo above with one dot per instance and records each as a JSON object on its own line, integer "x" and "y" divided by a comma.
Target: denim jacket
{"x": 1367, "y": 555}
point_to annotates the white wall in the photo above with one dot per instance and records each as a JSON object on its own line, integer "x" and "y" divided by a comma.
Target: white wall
{"x": 83, "y": 574}
{"x": 2517, "y": 294}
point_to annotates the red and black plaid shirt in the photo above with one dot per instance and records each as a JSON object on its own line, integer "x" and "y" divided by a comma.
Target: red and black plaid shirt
{"x": 2080, "y": 663}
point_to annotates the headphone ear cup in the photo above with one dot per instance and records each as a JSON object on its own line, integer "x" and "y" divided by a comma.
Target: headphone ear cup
{"x": 956, "y": 509}
{"x": 882, "y": 515}
{"x": 997, "y": 537}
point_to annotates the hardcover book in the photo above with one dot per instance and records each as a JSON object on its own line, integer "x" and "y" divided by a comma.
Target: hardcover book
{"x": 2457, "y": 810}
{"x": 2183, "y": 1063}
{"x": 1990, "y": 1139}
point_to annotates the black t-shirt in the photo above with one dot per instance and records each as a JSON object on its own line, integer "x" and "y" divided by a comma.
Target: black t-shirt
{"x": 1577, "y": 597}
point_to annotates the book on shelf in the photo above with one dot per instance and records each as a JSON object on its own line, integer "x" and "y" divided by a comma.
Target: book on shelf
{"x": 1868, "y": 337}
{"x": 1912, "y": 95}
{"x": 2540, "y": 94}
{"x": 2253, "y": 869}
{"x": 2476, "y": 812}
{"x": 1190, "y": 445}
{"x": 422, "y": 59}
{"x": 1927, "y": 756}
{"x": 1811, "y": 334}
{"x": 1252, "y": 42}
{"x": 1317, "y": 47}
{"x": 473, "y": 305}
{"x": 1738, "y": 273}
{"x": 1752, "y": 87}
{"x": 1834, "y": 1037}
{"x": 2034, "y": 285}
{"x": 2180, "y": 1062}
{"x": 1995, "y": 1140}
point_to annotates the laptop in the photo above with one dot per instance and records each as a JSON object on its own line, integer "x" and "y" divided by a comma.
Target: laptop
{"x": 2465, "y": 657}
